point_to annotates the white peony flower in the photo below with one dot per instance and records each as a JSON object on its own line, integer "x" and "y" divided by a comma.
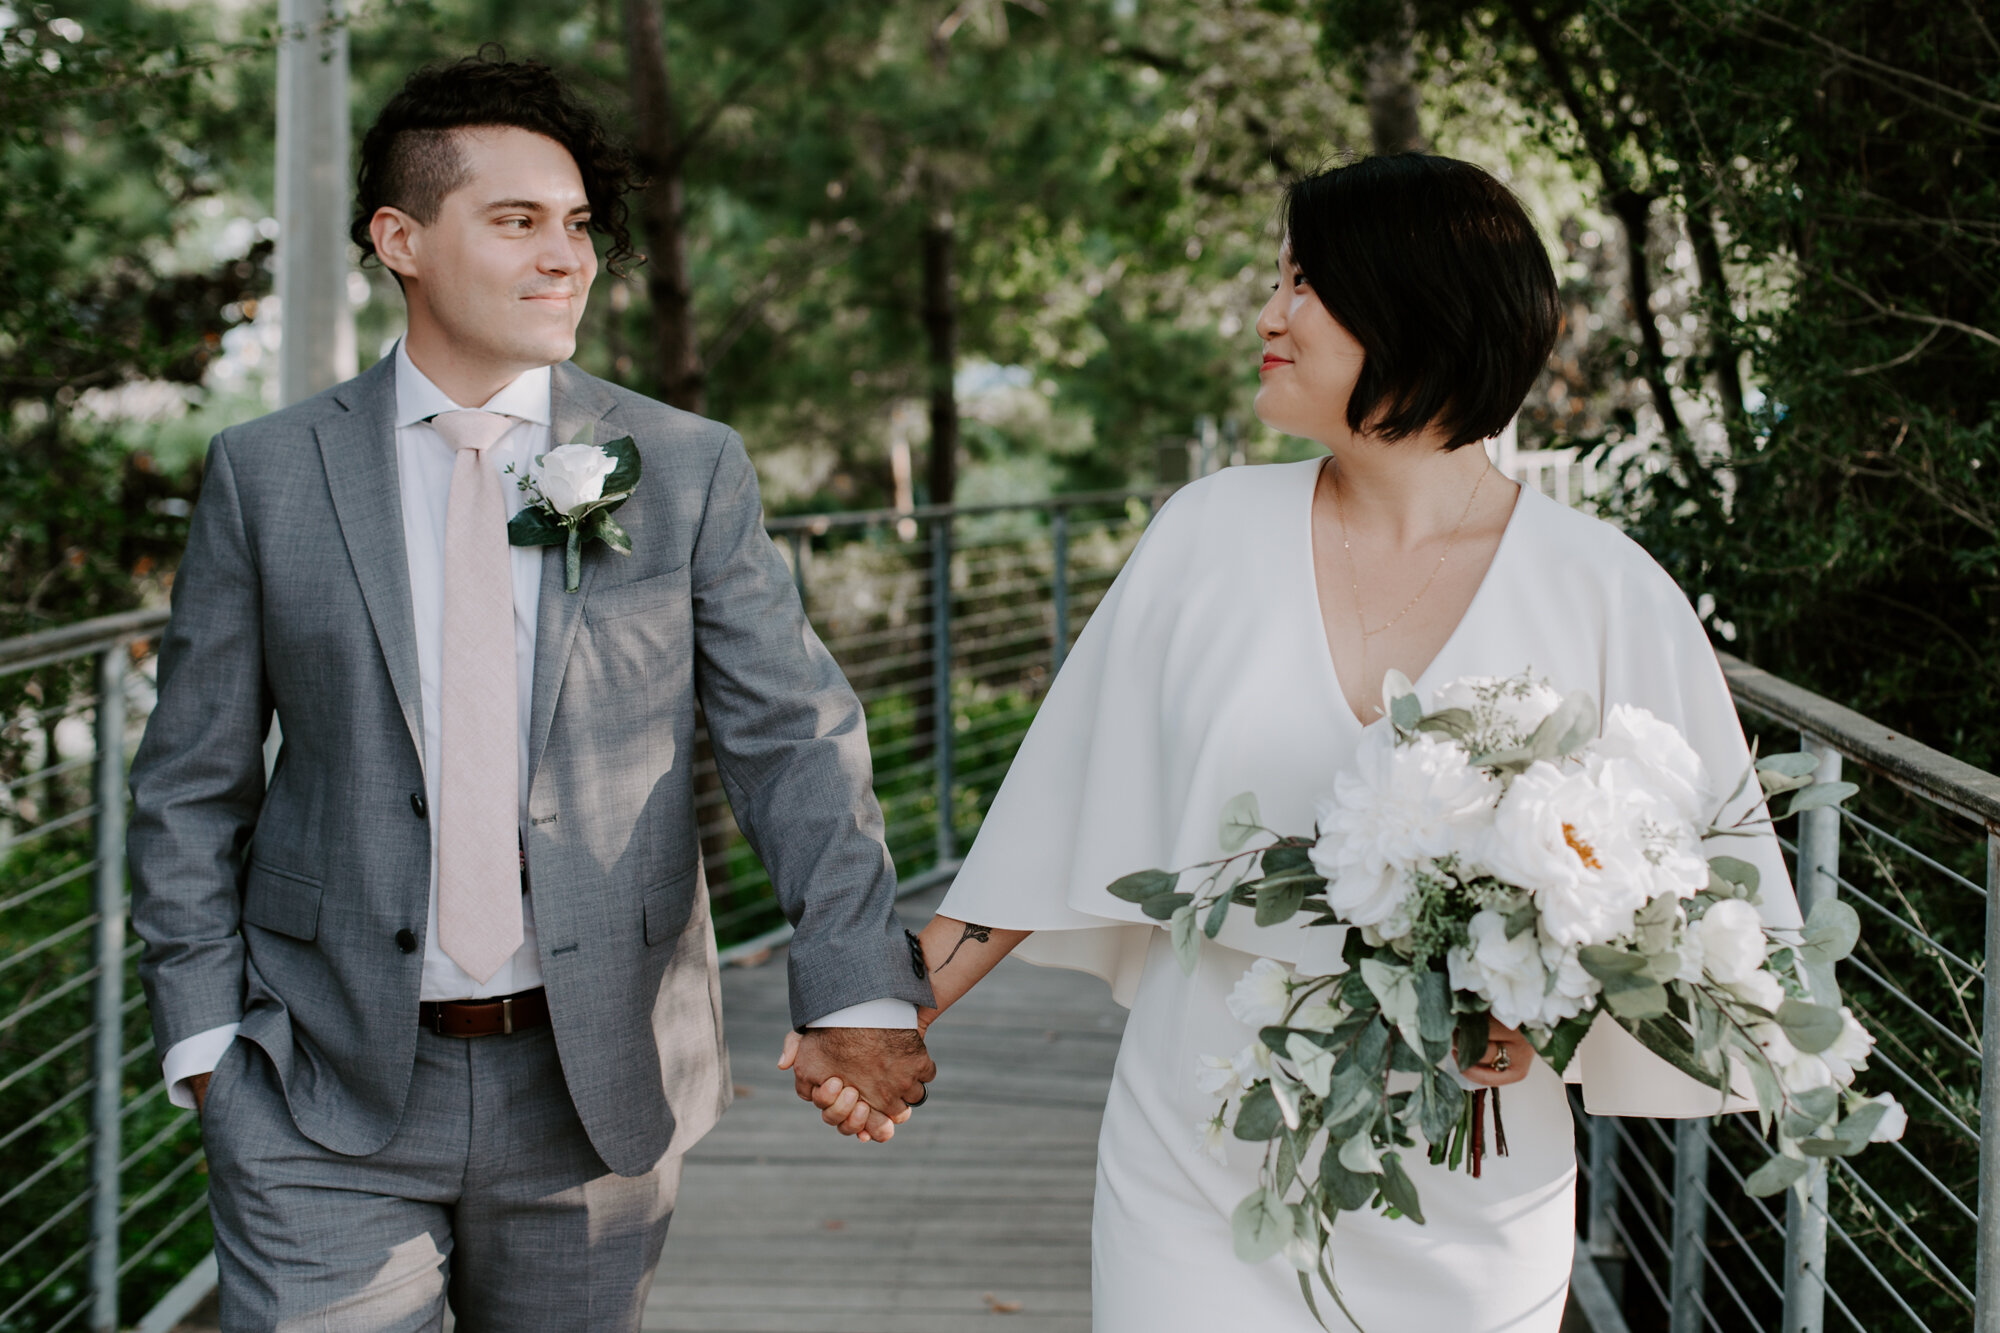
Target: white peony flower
{"x": 1890, "y": 1128}
{"x": 1404, "y": 807}
{"x": 1577, "y": 839}
{"x": 571, "y": 476}
{"x": 1732, "y": 940}
{"x": 1571, "y": 987}
{"x": 1506, "y": 973}
{"x": 1850, "y": 1050}
{"x": 1693, "y": 958}
{"x": 1505, "y": 710}
{"x": 1262, "y": 996}
{"x": 1635, "y": 734}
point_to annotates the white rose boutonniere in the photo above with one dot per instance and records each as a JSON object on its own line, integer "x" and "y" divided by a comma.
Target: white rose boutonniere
{"x": 572, "y": 490}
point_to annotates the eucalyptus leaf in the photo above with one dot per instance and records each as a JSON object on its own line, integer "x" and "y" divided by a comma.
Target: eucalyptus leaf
{"x": 1647, "y": 1000}
{"x": 1257, "y": 1117}
{"x": 1399, "y": 1189}
{"x": 1777, "y": 784}
{"x": 1819, "y": 795}
{"x": 1831, "y": 932}
{"x": 1558, "y": 1045}
{"x": 1346, "y": 1190}
{"x": 1406, "y": 712}
{"x": 1395, "y": 989}
{"x": 1286, "y": 1094}
{"x": 1741, "y": 875}
{"x": 1240, "y": 822}
{"x": 1670, "y": 1041}
{"x": 624, "y": 478}
{"x": 1796, "y": 764}
{"x": 1856, "y": 1128}
{"x": 1187, "y": 937}
{"x": 1810, "y": 1027}
{"x": 1143, "y": 884}
{"x": 1438, "y": 1106}
{"x": 1216, "y": 914}
{"x": 1287, "y": 856}
{"x": 1456, "y": 723}
{"x": 605, "y": 528}
{"x": 1359, "y": 1155}
{"x": 1165, "y": 906}
{"x": 1279, "y": 899}
{"x": 1809, "y": 1110}
{"x": 1261, "y": 1226}
{"x": 1434, "y": 1013}
{"x": 1314, "y": 1063}
{"x": 1604, "y": 962}
{"x": 1774, "y": 1177}
{"x": 1828, "y": 1147}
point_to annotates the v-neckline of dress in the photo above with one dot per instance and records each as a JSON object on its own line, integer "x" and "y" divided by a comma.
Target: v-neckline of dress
{"x": 1451, "y": 640}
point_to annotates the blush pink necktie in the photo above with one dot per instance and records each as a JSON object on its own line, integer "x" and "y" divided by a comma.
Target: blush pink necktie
{"x": 479, "y": 867}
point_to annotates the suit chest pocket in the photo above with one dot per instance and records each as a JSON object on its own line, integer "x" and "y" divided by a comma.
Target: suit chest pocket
{"x": 282, "y": 901}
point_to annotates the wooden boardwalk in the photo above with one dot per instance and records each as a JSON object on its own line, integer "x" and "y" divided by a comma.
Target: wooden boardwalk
{"x": 977, "y": 1214}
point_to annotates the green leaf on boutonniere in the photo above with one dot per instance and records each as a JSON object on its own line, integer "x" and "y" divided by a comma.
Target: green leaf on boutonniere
{"x": 535, "y": 526}
{"x": 624, "y": 478}
{"x": 605, "y": 528}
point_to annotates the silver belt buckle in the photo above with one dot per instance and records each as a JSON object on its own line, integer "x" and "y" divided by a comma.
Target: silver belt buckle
{"x": 507, "y": 1015}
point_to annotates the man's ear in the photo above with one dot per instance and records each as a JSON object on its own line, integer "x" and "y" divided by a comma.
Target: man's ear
{"x": 396, "y": 236}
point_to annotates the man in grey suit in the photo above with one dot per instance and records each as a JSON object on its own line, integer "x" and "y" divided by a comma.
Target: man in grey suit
{"x": 444, "y": 988}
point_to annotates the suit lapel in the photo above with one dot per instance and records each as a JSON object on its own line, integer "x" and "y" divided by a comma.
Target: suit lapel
{"x": 577, "y": 403}
{"x": 358, "y": 450}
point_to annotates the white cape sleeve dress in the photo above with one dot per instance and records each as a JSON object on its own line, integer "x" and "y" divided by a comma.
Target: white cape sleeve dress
{"x": 1205, "y": 673}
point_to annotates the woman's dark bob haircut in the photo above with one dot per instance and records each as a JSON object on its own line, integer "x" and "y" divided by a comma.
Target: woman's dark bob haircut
{"x": 410, "y": 158}
{"x": 1435, "y": 269}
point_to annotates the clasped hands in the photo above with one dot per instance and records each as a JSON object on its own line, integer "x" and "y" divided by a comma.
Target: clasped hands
{"x": 865, "y": 1081}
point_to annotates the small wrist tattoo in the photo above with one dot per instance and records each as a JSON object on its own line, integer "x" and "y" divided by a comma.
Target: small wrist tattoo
{"x": 984, "y": 934}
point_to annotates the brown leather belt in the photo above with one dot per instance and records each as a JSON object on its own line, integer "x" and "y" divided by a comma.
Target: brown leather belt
{"x": 489, "y": 1017}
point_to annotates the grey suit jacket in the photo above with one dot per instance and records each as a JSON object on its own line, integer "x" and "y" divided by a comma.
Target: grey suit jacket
{"x": 279, "y": 908}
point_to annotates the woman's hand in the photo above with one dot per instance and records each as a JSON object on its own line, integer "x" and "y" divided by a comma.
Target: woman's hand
{"x": 1505, "y": 1060}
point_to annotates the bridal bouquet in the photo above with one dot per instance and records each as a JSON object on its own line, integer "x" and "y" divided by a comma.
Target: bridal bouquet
{"x": 1497, "y": 857}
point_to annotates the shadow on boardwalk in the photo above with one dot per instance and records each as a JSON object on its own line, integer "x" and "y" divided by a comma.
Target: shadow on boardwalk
{"x": 980, "y": 1206}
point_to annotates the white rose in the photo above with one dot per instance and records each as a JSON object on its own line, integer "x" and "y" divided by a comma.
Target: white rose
{"x": 1506, "y": 973}
{"x": 1804, "y": 1072}
{"x": 572, "y": 476}
{"x": 1575, "y": 839}
{"x": 1890, "y": 1128}
{"x": 1570, "y": 986}
{"x": 1732, "y": 940}
{"x": 1850, "y": 1050}
{"x": 1403, "y": 808}
{"x": 1262, "y": 996}
{"x": 1633, "y": 733}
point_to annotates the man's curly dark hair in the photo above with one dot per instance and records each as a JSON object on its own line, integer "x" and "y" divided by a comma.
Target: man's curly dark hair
{"x": 410, "y": 158}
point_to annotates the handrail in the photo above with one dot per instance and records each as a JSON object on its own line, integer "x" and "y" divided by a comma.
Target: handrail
{"x": 1911, "y": 765}
{"x": 84, "y": 637}
{"x": 862, "y": 518}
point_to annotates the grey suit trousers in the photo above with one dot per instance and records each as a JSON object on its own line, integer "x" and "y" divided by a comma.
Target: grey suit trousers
{"x": 489, "y": 1194}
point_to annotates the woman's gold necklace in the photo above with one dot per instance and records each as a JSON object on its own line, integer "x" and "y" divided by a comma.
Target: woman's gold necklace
{"x": 1354, "y": 571}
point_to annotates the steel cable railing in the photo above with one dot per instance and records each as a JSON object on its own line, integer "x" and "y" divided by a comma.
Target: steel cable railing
{"x": 1912, "y": 1226}
{"x": 951, "y": 622}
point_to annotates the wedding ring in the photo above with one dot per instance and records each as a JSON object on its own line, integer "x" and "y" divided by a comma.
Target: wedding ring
{"x": 1502, "y": 1061}
{"x": 919, "y": 1101}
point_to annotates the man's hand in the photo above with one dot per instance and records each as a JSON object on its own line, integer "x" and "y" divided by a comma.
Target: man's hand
{"x": 198, "y": 1085}
{"x": 863, "y": 1080}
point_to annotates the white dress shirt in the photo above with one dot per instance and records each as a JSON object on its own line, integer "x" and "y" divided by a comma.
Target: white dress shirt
{"x": 424, "y": 465}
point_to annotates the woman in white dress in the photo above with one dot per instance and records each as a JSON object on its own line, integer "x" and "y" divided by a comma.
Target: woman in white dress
{"x": 1243, "y": 648}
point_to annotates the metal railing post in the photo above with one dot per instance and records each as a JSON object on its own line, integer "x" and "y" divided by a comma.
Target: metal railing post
{"x": 941, "y": 719}
{"x": 1602, "y": 1234}
{"x": 108, "y": 1049}
{"x": 1059, "y": 585}
{"x": 1986, "y": 1301}
{"x": 1805, "y": 1211}
{"x": 1690, "y": 1223}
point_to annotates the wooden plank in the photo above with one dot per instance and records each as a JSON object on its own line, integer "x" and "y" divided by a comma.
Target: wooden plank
{"x": 983, "y": 1199}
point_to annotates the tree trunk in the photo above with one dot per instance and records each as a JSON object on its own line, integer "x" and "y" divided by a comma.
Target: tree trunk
{"x": 1392, "y": 87}
{"x": 941, "y": 331}
{"x": 1721, "y": 343}
{"x": 677, "y": 365}
{"x": 1634, "y": 212}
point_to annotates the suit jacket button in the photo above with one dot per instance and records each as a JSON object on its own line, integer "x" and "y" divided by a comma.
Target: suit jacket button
{"x": 406, "y": 940}
{"x": 418, "y": 806}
